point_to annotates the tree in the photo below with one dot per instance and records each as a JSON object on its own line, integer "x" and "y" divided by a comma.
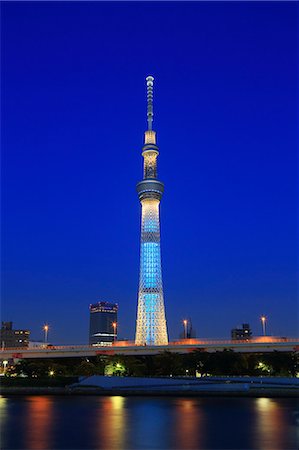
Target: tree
{"x": 281, "y": 363}
{"x": 31, "y": 368}
{"x": 85, "y": 368}
{"x": 168, "y": 363}
{"x": 226, "y": 362}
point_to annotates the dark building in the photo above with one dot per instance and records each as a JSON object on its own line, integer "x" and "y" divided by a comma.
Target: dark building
{"x": 13, "y": 338}
{"x": 103, "y": 323}
{"x": 241, "y": 333}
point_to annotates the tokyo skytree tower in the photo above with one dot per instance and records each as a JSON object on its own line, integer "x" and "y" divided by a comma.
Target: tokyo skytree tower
{"x": 151, "y": 322}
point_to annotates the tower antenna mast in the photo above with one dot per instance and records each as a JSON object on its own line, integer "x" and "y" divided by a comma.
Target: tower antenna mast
{"x": 150, "y": 110}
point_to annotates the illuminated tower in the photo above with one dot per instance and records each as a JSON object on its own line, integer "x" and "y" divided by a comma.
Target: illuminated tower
{"x": 151, "y": 323}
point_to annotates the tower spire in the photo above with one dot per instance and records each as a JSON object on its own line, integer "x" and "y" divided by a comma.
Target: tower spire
{"x": 150, "y": 111}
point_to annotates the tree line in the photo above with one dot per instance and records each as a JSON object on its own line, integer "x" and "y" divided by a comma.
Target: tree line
{"x": 165, "y": 364}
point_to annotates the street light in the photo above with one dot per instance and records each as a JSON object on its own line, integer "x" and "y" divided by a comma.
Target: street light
{"x": 185, "y": 322}
{"x": 263, "y": 320}
{"x": 46, "y": 329}
{"x": 114, "y": 324}
{"x": 5, "y": 362}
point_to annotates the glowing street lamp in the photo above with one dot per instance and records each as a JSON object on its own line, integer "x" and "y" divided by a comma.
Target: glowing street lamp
{"x": 185, "y": 322}
{"x": 114, "y": 324}
{"x": 46, "y": 329}
{"x": 5, "y": 362}
{"x": 263, "y": 320}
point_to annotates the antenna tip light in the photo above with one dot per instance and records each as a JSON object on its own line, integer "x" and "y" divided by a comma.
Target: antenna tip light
{"x": 149, "y": 79}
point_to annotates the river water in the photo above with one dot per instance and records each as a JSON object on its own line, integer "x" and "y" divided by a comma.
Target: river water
{"x": 91, "y": 422}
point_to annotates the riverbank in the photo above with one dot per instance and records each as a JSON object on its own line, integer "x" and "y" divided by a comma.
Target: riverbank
{"x": 164, "y": 386}
{"x": 261, "y": 392}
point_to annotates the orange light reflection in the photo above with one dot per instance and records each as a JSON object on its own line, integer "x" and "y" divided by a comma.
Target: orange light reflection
{"x": 40, "y": 418}
{"x": 189, "y": 424}
{"x": 269, "y": 425}
{"x": 112, "y": 418}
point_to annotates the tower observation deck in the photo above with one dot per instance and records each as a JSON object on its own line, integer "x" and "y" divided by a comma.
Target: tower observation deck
{"x": 151, "y": 322}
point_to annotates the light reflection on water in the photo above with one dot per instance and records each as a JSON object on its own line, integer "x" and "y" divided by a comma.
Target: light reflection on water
{"x": 3, "y": 411}
{"x": 269, "y": 417}
{"x": 123, "y": 423}
{"x": 111, "y": 428}
{"x": 189, "y": 424}
{"x": 39, "y": 422}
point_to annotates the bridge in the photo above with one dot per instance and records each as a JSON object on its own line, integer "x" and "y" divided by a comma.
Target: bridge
{"x": 254, "y": 345}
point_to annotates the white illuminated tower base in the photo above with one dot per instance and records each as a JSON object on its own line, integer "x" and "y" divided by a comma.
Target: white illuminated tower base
{"x": 151, "y": 323}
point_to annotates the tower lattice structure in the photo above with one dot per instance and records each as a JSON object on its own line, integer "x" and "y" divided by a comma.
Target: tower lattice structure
{"x": 151, "y": 322}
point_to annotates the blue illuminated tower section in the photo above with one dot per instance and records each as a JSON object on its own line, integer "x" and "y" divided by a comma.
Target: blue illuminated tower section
{"x": 151, "y": 322}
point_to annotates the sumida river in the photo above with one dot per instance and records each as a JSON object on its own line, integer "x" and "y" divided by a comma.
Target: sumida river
{"x": 91, "y": 422}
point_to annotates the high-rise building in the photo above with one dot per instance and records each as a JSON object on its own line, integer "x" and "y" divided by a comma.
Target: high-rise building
{"x": 13, "y": 338}
{"x": 151, "y": 322}
{"x": 103, "y": 323}
{"x": 243, "y": 333}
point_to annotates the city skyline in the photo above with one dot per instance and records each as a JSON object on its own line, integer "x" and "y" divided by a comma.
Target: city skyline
{"x": 73, "y": 115}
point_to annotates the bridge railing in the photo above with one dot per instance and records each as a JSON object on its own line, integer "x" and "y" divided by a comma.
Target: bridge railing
{"x": 257, "y": 340}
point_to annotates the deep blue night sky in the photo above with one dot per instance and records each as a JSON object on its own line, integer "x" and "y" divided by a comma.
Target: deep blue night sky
{"x": 73, "y": 117}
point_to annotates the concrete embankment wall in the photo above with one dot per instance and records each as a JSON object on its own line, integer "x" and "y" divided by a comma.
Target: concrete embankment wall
{"x": 202, "y": 384}
{"x": 106, "y": 381}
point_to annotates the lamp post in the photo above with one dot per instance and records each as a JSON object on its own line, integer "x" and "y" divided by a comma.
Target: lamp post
{"x": 185, "y": 322}
{"x": 114, "y": 324}
{"x": 263, "y": 320}
{"x": 46, "y": 329}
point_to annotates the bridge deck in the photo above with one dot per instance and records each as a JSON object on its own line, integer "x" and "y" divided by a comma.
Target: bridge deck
{"x": 262, "y": 344}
